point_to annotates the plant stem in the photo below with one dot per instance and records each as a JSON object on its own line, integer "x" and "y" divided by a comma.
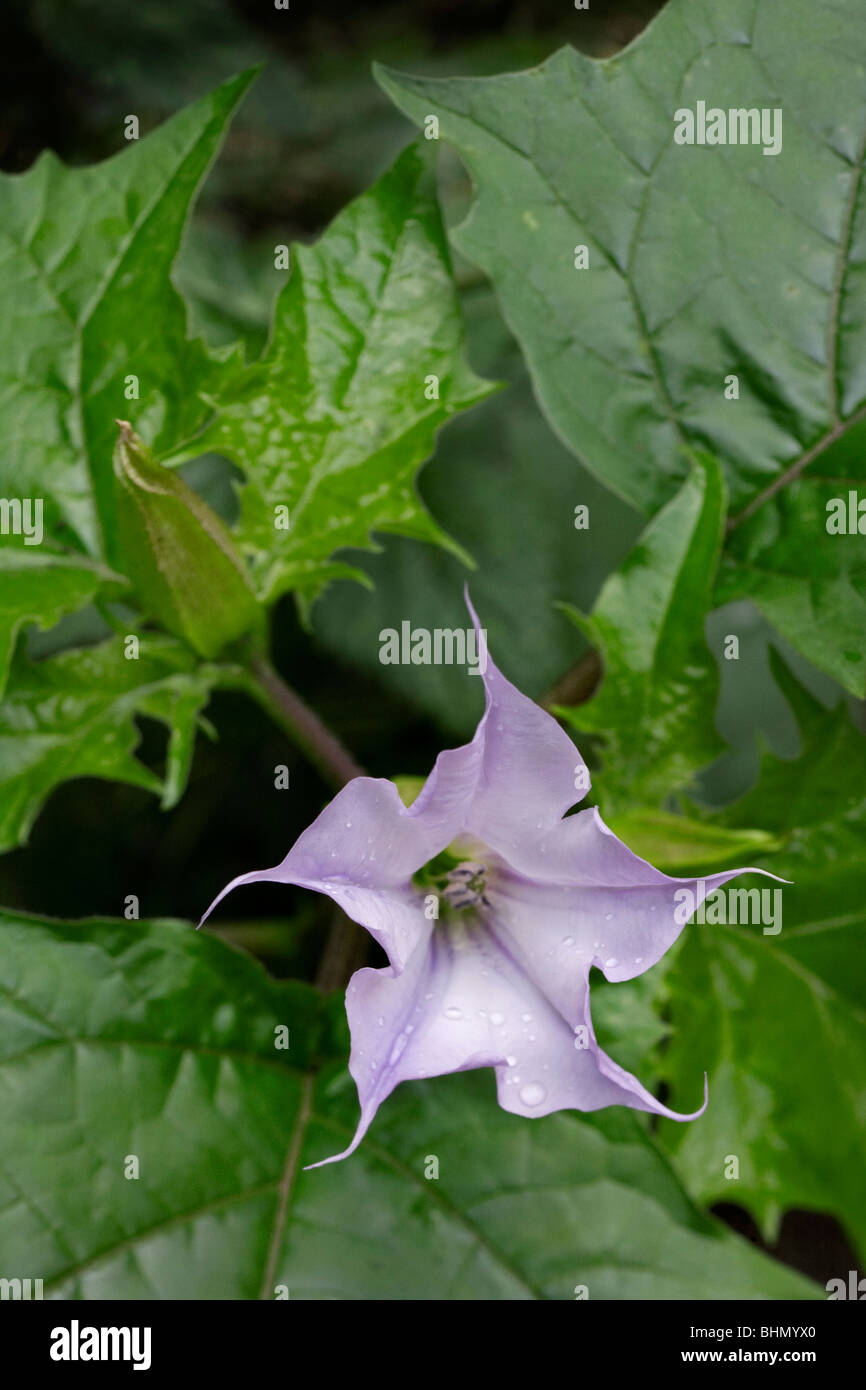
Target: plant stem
{"x": 345, "y": 952}
{"x": 286, "y": 707}
{"x": 347, "y": 942}
{"x": 577, "y": 684}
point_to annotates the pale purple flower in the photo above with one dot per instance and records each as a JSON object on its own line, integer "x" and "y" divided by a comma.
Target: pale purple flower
{"x": 530, "y": 899}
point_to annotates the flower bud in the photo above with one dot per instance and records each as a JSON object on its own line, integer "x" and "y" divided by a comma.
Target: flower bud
{"x": 178, "y": 554}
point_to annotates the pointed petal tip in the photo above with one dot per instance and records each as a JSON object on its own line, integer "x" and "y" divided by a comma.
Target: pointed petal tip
{"x": 338, "y": 1158}
{"x": 323, "y": 1162}
{"x": 254, "y": 877}
{"x": 751, "y": 869}
{"x": 695, "y": 1114}
{"x": 469, "y": 604}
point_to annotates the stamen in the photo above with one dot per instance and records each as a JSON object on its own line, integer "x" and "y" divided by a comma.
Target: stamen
{"x": 465, "y": 885}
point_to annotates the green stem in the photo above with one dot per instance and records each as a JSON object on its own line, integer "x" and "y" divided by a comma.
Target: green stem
{"x": 576, "y": 685}
{"x": 345, "y": 952}
{"x": 305, "y": 728}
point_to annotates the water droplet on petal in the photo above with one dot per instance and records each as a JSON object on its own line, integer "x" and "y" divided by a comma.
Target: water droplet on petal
{"x": 348, "y": 825}
{"x": 638, "y": 959}
{"x": 381, "y": 1022}
{"x": 568, "y": 941}
{"x": 527, "y": 1018}
{"x": 511, "y": 1061}
{"x": 608, "y": 916}
{"x": 497, "y": 1020}
{"x": 453, "y": 1013}
{"x": 609, "y": 964}
{"x": 533, "y": 1094}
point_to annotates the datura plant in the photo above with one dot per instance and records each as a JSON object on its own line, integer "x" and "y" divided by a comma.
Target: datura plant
{"x": 638, "y": 398}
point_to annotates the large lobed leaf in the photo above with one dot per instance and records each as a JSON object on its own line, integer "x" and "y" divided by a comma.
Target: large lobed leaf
{"x": 779, "y": 1021}
{"x": 145, "y": 1041}
{"x": 704, "y": 261}
{"x": 364, "y": 364}
{"x": 333, "y": 422}
{"x": 87, "y": 300}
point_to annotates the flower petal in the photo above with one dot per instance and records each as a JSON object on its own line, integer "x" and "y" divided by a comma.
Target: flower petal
{"x": 582, "y": 897}
{"x": 362, "y": 850}
{"x": 531, "y": 773}
{"x": 465, "y": 1002}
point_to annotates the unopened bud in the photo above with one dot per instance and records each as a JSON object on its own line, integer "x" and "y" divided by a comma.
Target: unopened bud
{"x": 178, "y": 554}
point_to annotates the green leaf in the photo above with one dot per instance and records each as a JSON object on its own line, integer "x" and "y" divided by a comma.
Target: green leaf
{"x": 779, "y": 1020}
{"x": 817, "y": 797}
{"x": 88, "y": 305}
{"x": 87, "y": 301}
{"x": 656, "y": 703}
{"x": 704, "y": 262}
{"x": 809, "y": 584}
{"x": 124, "y": 1040}
{"x": 37, "y": 586}
{"x": 365, "y": 363}
{"x": 627, "y": 1019}
{"x": 681, "y": 845}
{"x": 74, "y": 715}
